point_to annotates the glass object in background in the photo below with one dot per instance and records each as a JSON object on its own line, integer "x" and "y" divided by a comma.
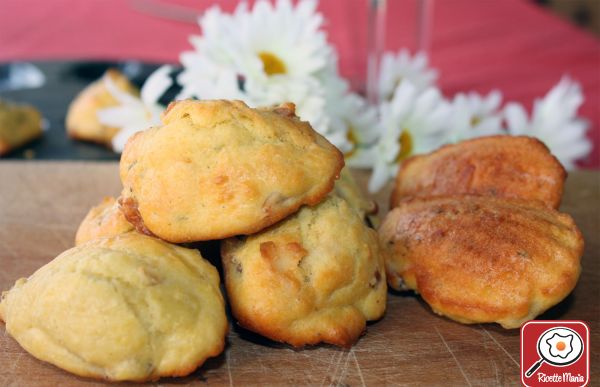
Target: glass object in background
{"x": 376, "y": 43}
{"x": 424, "y": 21}
{"x": 20, "y": 75}
{"x": 166, "y": 10}
{"x": 376, "y": 30}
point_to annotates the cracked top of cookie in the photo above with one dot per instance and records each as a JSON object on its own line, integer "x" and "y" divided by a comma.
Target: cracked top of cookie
{"x": 216, "y": 169}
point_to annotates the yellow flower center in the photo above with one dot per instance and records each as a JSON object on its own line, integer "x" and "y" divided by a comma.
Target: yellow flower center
{"x": 271, "y": 63}
{"x": 475, "y": 120}
{"x": 352, "y": 140}
{"x": 406, "y": 146}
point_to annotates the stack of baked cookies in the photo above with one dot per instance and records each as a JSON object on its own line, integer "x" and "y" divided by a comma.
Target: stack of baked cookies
{"x": 300, "y": 264}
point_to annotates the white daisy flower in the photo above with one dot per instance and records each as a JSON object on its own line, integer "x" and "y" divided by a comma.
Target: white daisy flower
{"x": 280, "y": 40}
{"x": 474, "y": 116}
{"x": 263, "y": 56}
{"x": 335, "y": 88}
{"x": 308, "y": 95}
{"x": 266, "y": 42}
{"x": 402, "y": 66}
{"x": 352, "y": 123}
{"x": 554, "y": 121}
{"x": 217, "y": 82}
{"x": 205, "y": 79}
{"x": 362, "y": 130}
{"x": 336, "y": 91}
{"x": 413, "y": 123}
{"x": 135, "y": 114}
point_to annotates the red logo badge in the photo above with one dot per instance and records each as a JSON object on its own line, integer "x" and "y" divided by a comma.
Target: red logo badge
{"x": 555, "y": 353}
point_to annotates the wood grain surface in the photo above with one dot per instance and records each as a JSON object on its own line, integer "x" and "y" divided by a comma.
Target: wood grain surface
{"x": 42, "y": 203}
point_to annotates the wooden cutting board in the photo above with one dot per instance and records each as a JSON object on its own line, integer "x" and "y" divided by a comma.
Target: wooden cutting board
{"x": 42, "y": 203}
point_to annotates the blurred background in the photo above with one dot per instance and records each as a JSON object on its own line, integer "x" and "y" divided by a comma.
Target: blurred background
{"x": 521, "y": 47}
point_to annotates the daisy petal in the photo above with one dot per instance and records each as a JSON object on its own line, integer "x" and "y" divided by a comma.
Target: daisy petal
{"x": 120, "y": 116}
{"x": 120, "y": 95}
{"x": 379, "y": 177}
{"x": 120, "y": 139}
{"x": 362, "y": 158}
{"x": 516, "y": 118}
{"x": 156, "y": 85}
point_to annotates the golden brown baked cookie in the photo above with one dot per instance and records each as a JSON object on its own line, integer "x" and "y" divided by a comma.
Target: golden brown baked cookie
{"x": 102, "y": 221}
{"x": 129, "y": 307}
{"x": 19, "y": 124}
{"x": 480, "y": 259}
{"x": 502, "y": 166}
{"x": 347, "y": 188}
{"x": 317, "y": 276}
{"x": 216, "y": 169}
{"x": 82, "y": 117}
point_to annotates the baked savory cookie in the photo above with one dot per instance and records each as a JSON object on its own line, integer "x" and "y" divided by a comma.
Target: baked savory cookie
{"x": 480, "y": 259}
{"x": 216, "y": 169}
{"x": 503, "y": 166}
{"x": 102, "y": 221}
{"x": 19, "y": 124}
{"x": 129, "y": 307}
{"x": 82, "y": 117}
{"x": 317, "y": 276}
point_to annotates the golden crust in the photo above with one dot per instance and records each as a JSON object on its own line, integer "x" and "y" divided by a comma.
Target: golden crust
{"x": 480, "y": 259}
{"x": 501, "y": 166}
{"x": 103, "y": 220}
{"x": 129, "y": 307}
{"x": 82, "y": 120}
{"x": 318, "y": 276}
{"x": 19, "y": 124}
{"x": 216, "y": 169}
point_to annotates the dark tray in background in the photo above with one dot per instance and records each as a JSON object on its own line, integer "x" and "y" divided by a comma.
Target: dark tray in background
{"x": 64, "y": 79}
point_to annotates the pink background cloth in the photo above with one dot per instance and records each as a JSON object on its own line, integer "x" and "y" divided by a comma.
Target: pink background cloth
{"x": 510, "y": 45}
